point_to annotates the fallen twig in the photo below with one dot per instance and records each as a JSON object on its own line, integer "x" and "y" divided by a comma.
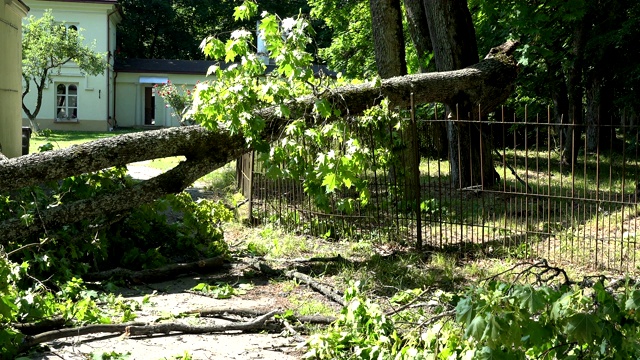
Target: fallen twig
{"x": 318, "y": 259}
{"x": 315, "y": 285}
{"x": 407, "y": 305}
{"x": 166, "y": 328}
{"x": 41, "y": 326}
{"x": 159, "y": 274}
{"x": 30, "y": 341}
{"x": 321, "y": 288}
{"x": 437, "y": 317}
{"x": 307, "y": 319}
{"x": 292, "y": 331}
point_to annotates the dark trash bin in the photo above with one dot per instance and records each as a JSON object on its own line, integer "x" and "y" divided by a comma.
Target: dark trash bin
{"x": 26, "y": 138}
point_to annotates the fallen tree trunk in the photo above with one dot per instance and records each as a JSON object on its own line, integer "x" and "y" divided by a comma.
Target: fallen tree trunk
{"x": 488, "y": 83}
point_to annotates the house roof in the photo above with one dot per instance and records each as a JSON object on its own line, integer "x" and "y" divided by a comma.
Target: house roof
{"x": 164, "y": 66}
{"x": 195, "y": 67}
{"x": 23, "y": 4}
{"x": 89, "y": 1}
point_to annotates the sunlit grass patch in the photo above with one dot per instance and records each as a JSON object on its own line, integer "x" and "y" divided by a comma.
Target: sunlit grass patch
{"x": 65, "y": 139}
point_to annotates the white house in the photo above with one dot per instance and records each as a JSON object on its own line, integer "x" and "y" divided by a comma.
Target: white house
{"x": 11, "y": 14}
{"x": 75, "y": 101}
{"x": 124, "y": 95}
{"x": 136, "y": 102}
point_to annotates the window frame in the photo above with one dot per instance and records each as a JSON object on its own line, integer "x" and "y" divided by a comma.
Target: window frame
{"x": 66, "y": 102}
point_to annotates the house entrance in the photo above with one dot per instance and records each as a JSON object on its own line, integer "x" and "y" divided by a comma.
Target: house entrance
{"x": 149, "y": 106}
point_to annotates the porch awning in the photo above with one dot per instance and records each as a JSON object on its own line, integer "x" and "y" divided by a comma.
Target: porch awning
{"x": 153, "y": 80}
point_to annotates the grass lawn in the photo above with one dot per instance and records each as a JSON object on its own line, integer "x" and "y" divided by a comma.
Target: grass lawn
{"x": 64, "y": 139}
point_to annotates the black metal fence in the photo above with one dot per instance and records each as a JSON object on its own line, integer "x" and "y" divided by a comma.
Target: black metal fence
{"x": 575, "y": 204}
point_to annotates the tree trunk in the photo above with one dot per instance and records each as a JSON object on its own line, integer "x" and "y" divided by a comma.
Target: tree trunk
{"x": 388, "y": 41}
{"x": 454, "y": 46}
{"x": 487, "y": 82}
{"x": 435, "y": 132}
{"x": 418, "y": 30}
{"x": 575, "y": 91}
{"x": 592, "y": 116}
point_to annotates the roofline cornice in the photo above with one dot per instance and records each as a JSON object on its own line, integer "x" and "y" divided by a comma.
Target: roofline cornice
{"x": 20, "y": 5}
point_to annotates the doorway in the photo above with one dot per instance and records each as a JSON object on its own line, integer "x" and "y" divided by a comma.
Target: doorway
{"x": 149, "y": 106}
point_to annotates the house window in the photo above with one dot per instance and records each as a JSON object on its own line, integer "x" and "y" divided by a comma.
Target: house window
{"x": 67, "y": 102}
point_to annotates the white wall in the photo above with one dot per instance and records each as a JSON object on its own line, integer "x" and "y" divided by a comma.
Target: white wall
{"x": 11, "y": 14}
{"x": 93, "y": 91}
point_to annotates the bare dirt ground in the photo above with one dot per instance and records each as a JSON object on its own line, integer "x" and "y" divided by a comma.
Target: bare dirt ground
{"x": 171, "y": 298}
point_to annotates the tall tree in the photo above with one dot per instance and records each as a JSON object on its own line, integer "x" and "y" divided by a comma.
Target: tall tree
{"x": 454, "y": 47}
{"x": 161, "y": 29}
{"x": 206, "y": 150}
{"x": 47, "y": 45}
{"x": 579, "y": 57}
{"x": 388, "y": 38}
{"x": 350, "y": 50}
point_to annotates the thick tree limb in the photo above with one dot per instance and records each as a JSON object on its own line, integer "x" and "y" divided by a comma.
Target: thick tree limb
{"x": 139, "y": 328}
{"x": 488, "y": 83}
{"x": 191, "y": 141}
{"x": 154, "y": 275}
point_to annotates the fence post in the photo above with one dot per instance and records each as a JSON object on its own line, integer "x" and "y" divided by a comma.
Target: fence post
{"x": 416, "y": 174}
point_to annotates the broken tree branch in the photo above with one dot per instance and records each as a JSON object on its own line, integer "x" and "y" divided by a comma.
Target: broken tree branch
{"x": 488, "y": 83}
{"x": 30, "y": 341}
{"x": 247, "y": 312}
{"x": 315, "y": 285}
{"x": 166, "y": 328}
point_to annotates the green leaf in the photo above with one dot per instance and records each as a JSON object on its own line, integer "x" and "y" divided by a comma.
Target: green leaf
{"x": 464, "y": 311}
{"x": 633, "y": 302}
{"x": 533, "y": 300}
{"x": 7, "y": 307}
{"x": 347, "y": 182}
{"x": 269, "y": 26}
{"x": 200, "y": 287}
{"x": 583, "y": 328}
{"x": 330, "y": 182}
{"x": 476, "y": 328}
{"x": 245, "y": 11}
{"x": 493, "y": 329}
{"x": 323, "y": 108}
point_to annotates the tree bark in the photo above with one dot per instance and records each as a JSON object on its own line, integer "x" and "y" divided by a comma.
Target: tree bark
{"x": 435, "y": 132}
{"x": 575, "y": 91}
{"x": 388, "y": 39}
{"x": 454, "y": 46}
{"x": 418, "y": 30}
{"x": 488, "y": 82}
